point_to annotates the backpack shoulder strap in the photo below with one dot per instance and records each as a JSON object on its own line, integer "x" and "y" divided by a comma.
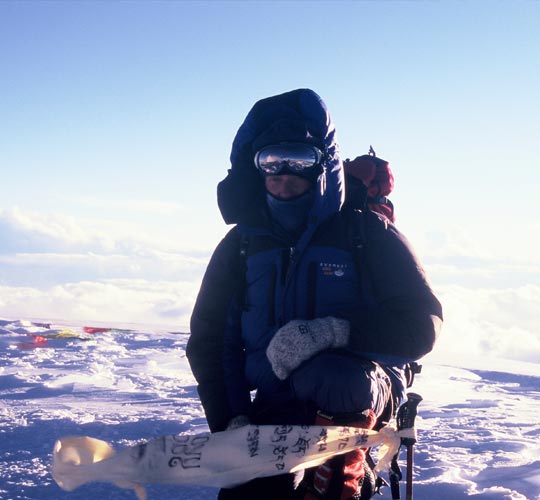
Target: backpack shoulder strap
{"x": 362, "y": 225}
{"x": 242, "y": 255}
{"x": 244, "y": 245}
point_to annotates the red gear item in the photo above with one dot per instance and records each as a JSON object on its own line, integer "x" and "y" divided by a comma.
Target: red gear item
{"x": 353, "y": 465}
{"x": 353, "y": 469}
{"x": 362, "y": 167}
{"x": 373, "y": 172}
{"x": 353, "y": 473}
{"x": 382, "y": 183}
{"x": 377, "y": 177}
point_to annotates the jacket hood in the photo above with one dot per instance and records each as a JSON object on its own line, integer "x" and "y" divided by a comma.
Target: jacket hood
{"x": 296, "y": 116}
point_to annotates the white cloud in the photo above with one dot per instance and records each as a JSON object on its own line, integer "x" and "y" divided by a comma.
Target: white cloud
{"x": 24, "y": 231}
{"x": 44, "y": 250}
{"x": 48, "y": 269}
{"x": 481, "y": 324}
{"x": 482, "y": 273}
{"x": 478, "y": 256}
{"x": 53, "y": 266}
{"x": 153, "y": 207}
{"x": 495, "y": 240}
{"x": 119, "y": 302}
{"x": 490, "y": 322}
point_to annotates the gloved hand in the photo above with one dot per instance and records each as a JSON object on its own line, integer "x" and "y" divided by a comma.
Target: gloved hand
{"x": 299, "y": 340}
{"x": 236, "y": 422}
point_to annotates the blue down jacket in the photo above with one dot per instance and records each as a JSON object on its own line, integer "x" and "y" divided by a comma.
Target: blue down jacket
{"x": 259, "y": 279}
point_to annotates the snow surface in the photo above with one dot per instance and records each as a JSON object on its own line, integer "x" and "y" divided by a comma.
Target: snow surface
{"x": 479, "y": 423}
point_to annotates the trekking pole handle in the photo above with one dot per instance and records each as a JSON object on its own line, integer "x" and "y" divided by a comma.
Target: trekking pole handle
{"x": 405, "y": 420}
{"x": 407, "y": 415}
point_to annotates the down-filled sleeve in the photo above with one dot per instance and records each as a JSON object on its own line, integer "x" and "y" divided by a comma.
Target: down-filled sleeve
{"x": 405, "y": 317}
{"x": 220, "y": 283}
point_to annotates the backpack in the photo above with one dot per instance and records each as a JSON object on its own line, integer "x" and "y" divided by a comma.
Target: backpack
{"x": 377, "y": 182}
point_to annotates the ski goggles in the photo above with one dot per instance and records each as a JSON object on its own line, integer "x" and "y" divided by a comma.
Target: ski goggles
{"x": 296, "y": 157}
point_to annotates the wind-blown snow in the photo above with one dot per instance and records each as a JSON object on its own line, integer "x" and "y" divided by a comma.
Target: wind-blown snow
{"x": 479, "y": 423}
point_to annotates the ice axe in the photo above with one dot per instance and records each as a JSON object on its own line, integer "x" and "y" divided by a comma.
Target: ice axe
{"x": 405, "y": 420}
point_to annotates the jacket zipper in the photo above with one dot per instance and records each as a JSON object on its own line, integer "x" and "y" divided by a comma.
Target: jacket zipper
{"x": 289, "y": 262}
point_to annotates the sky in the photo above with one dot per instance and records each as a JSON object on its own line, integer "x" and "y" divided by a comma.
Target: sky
{"x": 117, "y": 119}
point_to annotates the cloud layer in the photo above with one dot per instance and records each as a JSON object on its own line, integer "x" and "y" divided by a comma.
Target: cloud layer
{"x": 58, "y": 268}
{"x": 161, "y": 304}
{"x": 501, "y": 323}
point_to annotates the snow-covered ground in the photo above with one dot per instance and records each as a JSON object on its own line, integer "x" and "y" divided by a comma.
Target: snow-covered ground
{"x": 479, "y": 423}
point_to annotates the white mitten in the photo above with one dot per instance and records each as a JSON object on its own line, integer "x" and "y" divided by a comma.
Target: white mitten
{"x": 300, "y": 340}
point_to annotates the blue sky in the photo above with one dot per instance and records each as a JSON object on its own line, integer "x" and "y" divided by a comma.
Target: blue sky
{"x": 116, "y": 121}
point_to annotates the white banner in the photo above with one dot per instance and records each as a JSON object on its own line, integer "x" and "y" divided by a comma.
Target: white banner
{"x": 222, "y": 459}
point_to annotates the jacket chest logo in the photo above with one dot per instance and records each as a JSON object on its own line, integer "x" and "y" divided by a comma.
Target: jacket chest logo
{"x": 329, "y": 269}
